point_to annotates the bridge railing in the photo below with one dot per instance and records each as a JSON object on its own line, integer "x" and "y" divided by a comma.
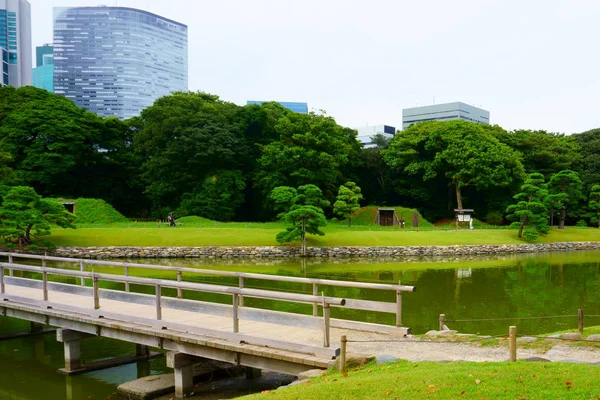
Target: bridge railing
{"x": 160, "y": 301}
{"x": 317, "y": 284}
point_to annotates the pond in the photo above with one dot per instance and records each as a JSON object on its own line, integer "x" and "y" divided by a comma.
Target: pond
{"x": 516, "y": 286}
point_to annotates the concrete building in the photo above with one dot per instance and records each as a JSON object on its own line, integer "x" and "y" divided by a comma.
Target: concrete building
{"x": 298, "y": 107}
{"x": 4, "y": 62}
{"x": 43, "y": 73}
{"x": 365, "y": 134}
{"x": 116, "y": 61}
{"x": 444, "y": 112}
{"x": 15, "y": 38}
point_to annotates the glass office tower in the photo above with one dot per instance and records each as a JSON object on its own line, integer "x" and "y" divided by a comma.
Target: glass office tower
{"x": 298, "y": 107}
{"x": 43, "y": 73}
{"x": 116, "y": 61}
{"x": 15, "y": 38}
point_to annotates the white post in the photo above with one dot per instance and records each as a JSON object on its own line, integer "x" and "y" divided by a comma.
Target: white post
{"x": 158, "y": 305}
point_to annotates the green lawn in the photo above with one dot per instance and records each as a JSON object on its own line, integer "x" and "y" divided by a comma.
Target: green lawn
{"x": 428, "y": 380}
{"x": 253, "y": 234}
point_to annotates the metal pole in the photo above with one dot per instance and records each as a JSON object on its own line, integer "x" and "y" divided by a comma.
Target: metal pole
{"x": 82, "y": 269}
{"x": 158, "y": 306}
{"x": 580, "y": 320}
{"x": 315, "y": 304}
{"x": 442, "y": 321}
{"x": 343, "y": 354}
{"x": 236, "y": 321}
{"x": 399, "y": 307}
{"x": 96, "y": 289}
{"x": 45, "y": 285}
{"x": 127, "y": 283}
{"x": 512, "y": 343}
{"x": 241, "y": 285}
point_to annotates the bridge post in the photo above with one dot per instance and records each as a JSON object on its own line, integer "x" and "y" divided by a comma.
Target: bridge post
{"x": 2, "y": 287}
{"x": 252, "y": 373}
{"x": 184, "y": 373}
{"x": 72, "y": 345}
{"x": 179, "y": 290}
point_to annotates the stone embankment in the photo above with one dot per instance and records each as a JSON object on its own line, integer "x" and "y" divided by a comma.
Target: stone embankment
{"x": 228, "y": 252}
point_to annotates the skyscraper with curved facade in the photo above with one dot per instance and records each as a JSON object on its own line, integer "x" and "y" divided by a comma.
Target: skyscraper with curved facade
{"x": 116, "y": 61}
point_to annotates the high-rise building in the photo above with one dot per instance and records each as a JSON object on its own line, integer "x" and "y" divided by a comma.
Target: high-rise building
{"x": 43, "y": 73}
{"x": 301, "y": 108}
{"x": 116, "y": 61}
{"x": 366, "y": 134}
{"x": 444, "y": 112}
{"x": 4, "y": 62}
{"x": 15, "y": 38}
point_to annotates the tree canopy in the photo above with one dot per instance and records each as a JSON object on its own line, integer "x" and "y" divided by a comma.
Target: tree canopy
{"x": 347, "y": 201}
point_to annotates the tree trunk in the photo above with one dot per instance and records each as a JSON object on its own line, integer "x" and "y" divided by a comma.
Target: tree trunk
{"x": 598, "y": 220}
{"x": 522, "y": 228}
{"x": 561, "y": 218}
{"x": 551, "y": 218}
{"x": 349, "y": 221}
{"x": 303, "y": 248}
{"x": 458, "y": 197}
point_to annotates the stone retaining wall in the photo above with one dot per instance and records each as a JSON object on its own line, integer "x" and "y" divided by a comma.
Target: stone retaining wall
{"x": 290, "y": 252}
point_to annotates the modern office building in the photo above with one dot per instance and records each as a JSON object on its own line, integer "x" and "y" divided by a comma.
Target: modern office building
{"x": 116, "y": 61}
{"x": 444, "y": 112}
{"x": 4, "y": 62}
{"x": 15, "y": 38}
{"x": 43, "y": 73}
{"x": 366, "y": 133}
{"x": 301, "y": 108}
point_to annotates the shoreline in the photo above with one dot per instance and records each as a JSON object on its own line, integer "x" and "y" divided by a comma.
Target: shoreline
{"x": 229, "y": 252}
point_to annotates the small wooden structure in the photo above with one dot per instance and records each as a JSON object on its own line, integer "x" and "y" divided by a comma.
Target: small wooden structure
{"x": 70, "y": 205}
{"x": 463, "y": 215}
{"x": 387, "y": 217}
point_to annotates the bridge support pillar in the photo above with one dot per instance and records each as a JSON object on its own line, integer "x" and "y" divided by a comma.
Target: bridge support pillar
{"x": 35, "y": 327}
{"x": 184, "y": 373}
{"x": 72, "y": 346}
{"x": 142, "y": 350}
{"x": 252, "y": 373}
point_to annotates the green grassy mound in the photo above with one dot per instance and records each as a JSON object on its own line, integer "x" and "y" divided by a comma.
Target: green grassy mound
{"x": 194, "y": 220}
{"x": 368, "y": 215}
{"x": 96, "y": 211}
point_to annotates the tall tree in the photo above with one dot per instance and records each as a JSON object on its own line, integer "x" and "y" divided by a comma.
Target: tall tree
{"x": 464, "y": 153}
{"x": 530, "y": 211}
{"x": 567, "y": 187}
{"x": 302, "y": 210}
{"x": 312, "y": 149}
{"x": 348, "y": 201}
{"x": 589, "y": 163}
{"x": 25, "y": 215}
{"x": 594, "y": 204}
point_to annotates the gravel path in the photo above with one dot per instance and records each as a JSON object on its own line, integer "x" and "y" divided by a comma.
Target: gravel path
{"x": 423, "y": 350}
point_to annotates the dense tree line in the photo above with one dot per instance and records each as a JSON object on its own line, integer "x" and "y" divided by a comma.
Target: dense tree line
{"x": 199, "y": 155}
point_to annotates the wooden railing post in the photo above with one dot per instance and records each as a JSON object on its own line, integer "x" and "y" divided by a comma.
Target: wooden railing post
{"x": 315, "y": 304}
{"x": 44, "y": 263}
{"x": 343, "y": 343}
{"x": 236, "y": 319}
{"x": 179, "y": 290}
{"x": 2, "y": 288}
{"x": 241, "y": 286}
{"x": 82, "y": 269}
{"x": 96, "y": 289}
{"x": 399, "y": 307}
{"x": 512, "y": 343}
{"x": 158, "y": 301}
{"x": 580, "y": 320}
{"x": 45, "y": 285}
{"x": 326, "y": 323}
{"x": 442, "y": 322}
{"x": 10, "y": 261}
{"x": 127, "y": 283}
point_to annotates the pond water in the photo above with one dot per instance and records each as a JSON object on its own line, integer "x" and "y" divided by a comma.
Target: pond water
{"x": 550, "y": 284}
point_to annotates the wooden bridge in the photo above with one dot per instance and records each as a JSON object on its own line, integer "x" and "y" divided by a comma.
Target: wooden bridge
{"x": 77, "y": 300}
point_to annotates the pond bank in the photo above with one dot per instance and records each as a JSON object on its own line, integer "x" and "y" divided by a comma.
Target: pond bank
{"x": 315, "y": 252}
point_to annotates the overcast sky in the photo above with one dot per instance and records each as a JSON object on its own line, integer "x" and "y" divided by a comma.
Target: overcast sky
{"x": 534, "y": 64}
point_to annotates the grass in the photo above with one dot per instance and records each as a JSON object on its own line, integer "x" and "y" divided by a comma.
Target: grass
{"x": 263, "y": 234}
{"x": 429, "y": 380}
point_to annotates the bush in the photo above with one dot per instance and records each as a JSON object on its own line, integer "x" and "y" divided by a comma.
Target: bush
{"x": 581, "y": 223}
{"x": 494, "y": 218}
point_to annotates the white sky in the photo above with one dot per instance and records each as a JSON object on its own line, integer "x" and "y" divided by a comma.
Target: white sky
{"x": 534, "y": 64}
